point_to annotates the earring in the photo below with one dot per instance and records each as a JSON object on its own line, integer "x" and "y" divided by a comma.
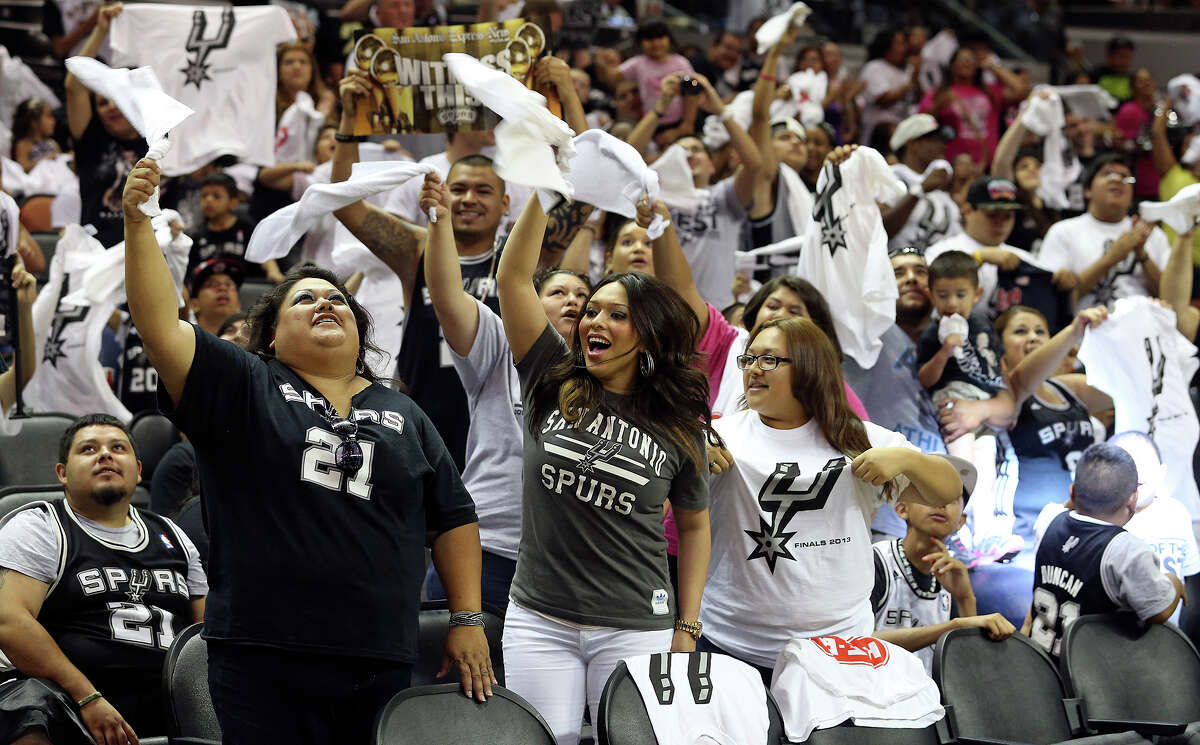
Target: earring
{"x": 646, "y": 364}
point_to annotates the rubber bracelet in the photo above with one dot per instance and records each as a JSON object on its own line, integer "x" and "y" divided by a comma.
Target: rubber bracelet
{"x": 768, "y": 77}
{"x": 339, "y": 137}
{"x": 978, "y": 256}
{"x": 89, "y": 699}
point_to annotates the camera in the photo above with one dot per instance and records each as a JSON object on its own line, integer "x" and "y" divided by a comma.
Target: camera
{"x": 689, "y": 86}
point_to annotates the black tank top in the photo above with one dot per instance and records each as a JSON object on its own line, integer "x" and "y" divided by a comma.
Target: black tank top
{"x": 114, "y": 611}
{"x": 1046, "y": 429}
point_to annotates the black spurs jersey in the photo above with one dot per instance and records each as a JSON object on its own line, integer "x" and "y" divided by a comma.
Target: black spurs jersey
{"x": 114, "y": 611}
{"x": 1047, "y": 430}
{"x": 137, "y": 380}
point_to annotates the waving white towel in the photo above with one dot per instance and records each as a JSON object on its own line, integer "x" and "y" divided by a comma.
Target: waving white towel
{"x": 742, "y": 106}
{"x": 1192, "y": 154}
{"x": 527, "y": 138}
{"x": 1185, "y": 90}
{"x": 296, "y": 133}
{"x": 769, "y": 34}
{"x": 679, "y": 190}
{"x": 808, "y": 92}
{"x": 106, "y": 274}
{"x": 276, "y": 234}
{"x": 1089, "y": 101}
{"x": 140, "y": 97}
{"x": 935, "y": 58}
{"x": 1045, "y": 117}
{"x": 610, "y": 174}
{"x": 1181, "y": 212}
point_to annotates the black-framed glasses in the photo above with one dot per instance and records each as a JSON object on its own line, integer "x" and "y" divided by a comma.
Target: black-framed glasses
{"x": 766, "y": 362}
{"x": 348, "y": 455}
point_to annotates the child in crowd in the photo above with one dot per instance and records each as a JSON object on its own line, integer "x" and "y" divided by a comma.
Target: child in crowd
{"x": 1088, "y": 563}
{"x": 33, "y": 133}
{"x": 224, "y": 233}
{"x": 958, "y": 359}
{"x": 917, "y": 580}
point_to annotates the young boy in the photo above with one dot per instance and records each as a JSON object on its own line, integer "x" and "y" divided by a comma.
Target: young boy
{"x": 958, "y": 358}
{"x": 916, "y": 579}
{"x": 224, "y": 234}
{"x": 1088, "y": 563}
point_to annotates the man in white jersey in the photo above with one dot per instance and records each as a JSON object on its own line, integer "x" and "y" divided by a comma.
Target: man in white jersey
{"x": 1110, "y": 254}
{"x": 918, "y": 583}
{"x": 927, "y": 213}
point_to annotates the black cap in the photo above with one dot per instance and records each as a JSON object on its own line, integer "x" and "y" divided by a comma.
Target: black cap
{"x": 227, "y": 265}
{"x": 991, "y": 193}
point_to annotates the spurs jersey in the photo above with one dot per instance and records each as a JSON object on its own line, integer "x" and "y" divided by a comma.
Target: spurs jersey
{"x": 113, "y": 610}
{"x": 905, "y": 598}
{"x": 137, "y": 380}
{"x": 696, "y": 695}
{"x": 935, "y": 217}
{"x": 220, "y": 61}
{"x": 1052, "y": 429}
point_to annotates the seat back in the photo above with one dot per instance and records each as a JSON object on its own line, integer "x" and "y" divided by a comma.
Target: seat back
{"x": 153, "y": 434}
{"x": 623, "y": 719}
{"x": 434, "y": 624}
{"x": 848, "y": 734}
{"x": 1126, "y": 673}
{"x": 14, "y": 498}
{"x": 190, "y": 710}
{"x": 971, "y": 670}
{"x": 29, "y": 457}
{"x": 441, "y": 715}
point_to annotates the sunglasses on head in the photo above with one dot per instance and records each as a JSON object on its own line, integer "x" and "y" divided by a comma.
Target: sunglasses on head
{"x": 905, "y": 251}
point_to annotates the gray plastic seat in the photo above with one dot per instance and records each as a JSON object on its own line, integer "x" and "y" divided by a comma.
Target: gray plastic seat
{"x": 29, "y": 456}
{"x": 442, "y": 715}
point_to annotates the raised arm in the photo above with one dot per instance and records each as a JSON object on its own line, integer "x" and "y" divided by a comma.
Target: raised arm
{"x": 1164, "y": 158}
{"x": 79, "y": 99}
{"x": 520, "y": 307}
{"x": 1175, "y": 288}
{"x": 1132, "y": 240}
{"x": 280, "y": 175}
{"x": 456, "y": 310}
{"x": 643, "y": 131}
{"x": 760, "y": 121}
{"x": 396, "y": 242}
{"x": 578, "y": 256}
{"x": 935, "y": 482}
{"x": 26, "y": 286}
{"x": 1040, "y": 364}
{"x": 669, "y": 263}
{"x": 551, "y": 72}
{"x": 169, "y": 342}
{"x": 1006, "y": 149}
{"x": 747, "y": 176}
{"x": 1015, "y": 88}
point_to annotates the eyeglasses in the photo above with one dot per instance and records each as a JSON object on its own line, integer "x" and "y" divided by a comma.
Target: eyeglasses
{"x": 1118, "y": 176}
{"x": 766, "y": 362}
{"x": 348, "y": 455}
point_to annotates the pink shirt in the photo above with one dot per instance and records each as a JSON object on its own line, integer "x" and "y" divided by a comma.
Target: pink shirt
{"x": 970, "y": 106}
{"x": 1132, "y": 122}
{"x": 649, "y": 74}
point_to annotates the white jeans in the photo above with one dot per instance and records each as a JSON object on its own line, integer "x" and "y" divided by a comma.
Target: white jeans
{"x": 559, "y": 669}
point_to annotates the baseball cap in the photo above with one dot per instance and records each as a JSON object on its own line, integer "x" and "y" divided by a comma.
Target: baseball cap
{"x": 991, "y": 193}
{"x": 917, "y": 125}
{"x": 233, "y": 268}
{"x": 791, "y": 125}
{"x": 966, "y": 472}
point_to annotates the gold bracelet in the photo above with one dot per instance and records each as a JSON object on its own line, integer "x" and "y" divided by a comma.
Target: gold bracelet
{"x": 89, "y": 699}
{"x": 694, "y": 628}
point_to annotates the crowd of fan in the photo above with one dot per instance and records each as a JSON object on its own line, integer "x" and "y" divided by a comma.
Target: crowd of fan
{"x": 1002, "y": 267}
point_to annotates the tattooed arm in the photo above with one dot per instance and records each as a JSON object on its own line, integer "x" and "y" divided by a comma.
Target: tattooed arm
{"x": 562, "y": 223}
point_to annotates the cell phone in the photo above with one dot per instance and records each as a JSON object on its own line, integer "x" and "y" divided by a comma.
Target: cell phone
{"x": 689, "y": 86}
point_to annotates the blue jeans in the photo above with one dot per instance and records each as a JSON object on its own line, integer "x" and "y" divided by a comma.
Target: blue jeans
{"x": 497, "y": 578}
{"x": 268, "y": 696}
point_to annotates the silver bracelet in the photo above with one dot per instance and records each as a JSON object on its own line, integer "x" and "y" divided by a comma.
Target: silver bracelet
{"x": 466, "y": 618}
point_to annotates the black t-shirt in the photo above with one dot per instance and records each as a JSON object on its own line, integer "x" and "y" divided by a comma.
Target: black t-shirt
{"x": 1032, "y": 286}
{"x": 137, "y": 380}
{"x": 173, "y": 478}
{"x": 302, "y": 557}
{"x": 52, "y": 20}
{"x": 228, "y": 243}
{"x": 425, "y": 364}
{"x": 103, "y": 165}
{"x": 1046, "y": 429}
{"x": 980, "y": 363}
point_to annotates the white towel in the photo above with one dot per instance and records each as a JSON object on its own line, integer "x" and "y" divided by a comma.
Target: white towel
{"x": 935, "y": 57}
{"x": 1090, "y": 101}
{"x": 280, "y": 230}
{"x": 527, "y": 138}
{"x": 1185, "y": 90}
{"x": 769, "y": 34}
{"x": 140, "y": 97}
{"x": 800, "y": 200}
{"x": 1182, "y": 212}
{"x": 296, "y": 133}
{"x": 107, "y": 274}
{"x": 742, "y": 105}
{"x": 610, "y": 174}
{"x": 808, "y": 91}
{"x": 679, "y": 190}
{"x": 1045, "y": 117}
{"x": 381, "y": 293}
{"x": 17, "y": 83}
{"x": 1192, "y": 154}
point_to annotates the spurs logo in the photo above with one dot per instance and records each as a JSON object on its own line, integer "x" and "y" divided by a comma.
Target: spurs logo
{"x": 781, "y": 498}
{"x": 139, "y": 582}
{"x": 601, "y": 452}
{"x": 196, "y": 71}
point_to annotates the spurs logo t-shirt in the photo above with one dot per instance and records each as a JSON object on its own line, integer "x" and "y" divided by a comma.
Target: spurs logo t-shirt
{"x": 592, "y": 545}
{"x": 790, "y": 533}
{"x": 1079, "y": 242}
{"x": 935, "y": 217}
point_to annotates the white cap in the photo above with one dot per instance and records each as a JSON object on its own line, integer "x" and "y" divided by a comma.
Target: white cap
{"x": 790, "y": 124}
{"x": 917, "y": 125}
{"x": 966, "y": 471}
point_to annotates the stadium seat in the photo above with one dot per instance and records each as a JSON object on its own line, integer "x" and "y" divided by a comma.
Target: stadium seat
{"x": 623, "y": 719}
{"x": 848, "y": 734}
{"x": 441, "y": 715}
{"x": 190, "y": 717}
{"x": 1008, "y": 690}
{"x": 250, "y": 292}
{"x": 48, "y": 242}
{"x": 153, "y": 435}
{"x": 29, "y": 456}
{"x": 1128, "y": 677}
{"x": 431, "y": 640}
{"x": 14, "y": 497}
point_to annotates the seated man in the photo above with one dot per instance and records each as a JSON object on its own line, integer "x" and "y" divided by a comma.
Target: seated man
{"x": 92, "y": 592}
{"x": 1088, "y": 563}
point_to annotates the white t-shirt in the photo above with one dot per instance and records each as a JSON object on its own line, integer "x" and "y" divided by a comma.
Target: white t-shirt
{"x": 220, "y": 61}
{"x": 1079, "y": 242}
{"x": 935, "y": 217}
{"x": 989, "y": 274}
{"x": 790, "y": 527}
{"x": 710, "y": 236}
{"x": 905, "y": 603}
{"x": 880, "y": 77}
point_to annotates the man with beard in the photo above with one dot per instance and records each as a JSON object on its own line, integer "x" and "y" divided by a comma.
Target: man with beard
{"x": 92, "y": 593}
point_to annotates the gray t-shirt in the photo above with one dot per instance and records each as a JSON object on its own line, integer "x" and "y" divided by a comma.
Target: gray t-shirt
{"x": 30, "y": 543}
{"x": 492, "y": 472}
{"x": 592, "y": 545}
{"x": 894, "y": 398}
{"x": 710, "y": 236}
{"x": 1131, "y": 575}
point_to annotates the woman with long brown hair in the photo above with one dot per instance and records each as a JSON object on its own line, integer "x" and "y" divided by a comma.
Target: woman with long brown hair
{"x": 791, "y": 516}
